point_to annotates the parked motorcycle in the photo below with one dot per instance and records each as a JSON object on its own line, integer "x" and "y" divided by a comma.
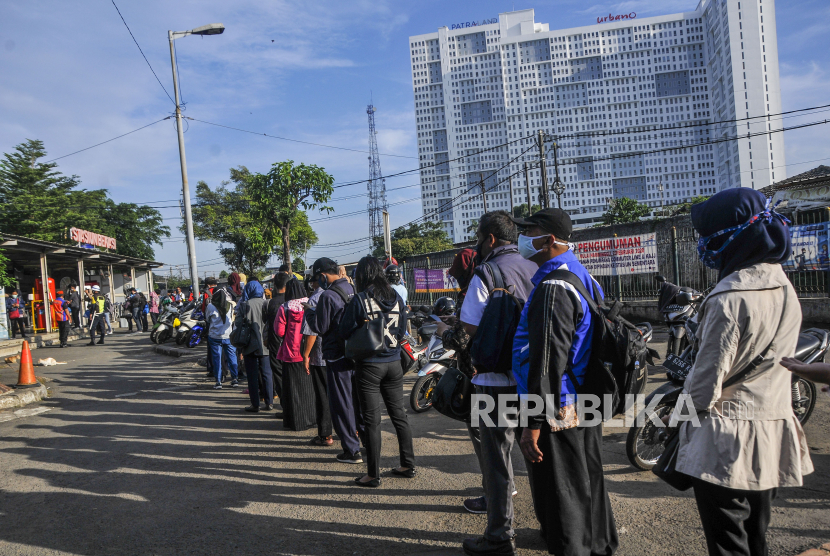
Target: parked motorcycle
{"x": 164, "y": 328}
{"x": 645, "y": 444}
{"x": 187, "y": 318}
{"x": 676, "y": 313}
{"x": 439, "y": 359}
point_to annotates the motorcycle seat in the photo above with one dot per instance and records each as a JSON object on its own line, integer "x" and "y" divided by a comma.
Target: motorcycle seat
{"x": 807, "y": 343}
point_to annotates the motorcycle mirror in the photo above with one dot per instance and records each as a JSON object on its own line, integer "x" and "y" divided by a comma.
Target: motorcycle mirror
{"x": 684, "y": 298}
{"x": 659, "y": 279}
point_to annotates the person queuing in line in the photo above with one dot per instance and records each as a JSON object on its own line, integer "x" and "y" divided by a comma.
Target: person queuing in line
{"x": 553, "y": 344}
{"x": 496, "y": 245}
{"x": 255, "y": 355}
{"x": 325, "y": 322}
{"x": 298, "y": 411}
{"x": 136, "y": 309}
{"x": 179, "y": 296}
{"x": 393, "y": 276}
{"x": 749, "y": 442}
{"x": 274, "y": 341}
{"x": 155, "y": 304}
{"x": 315, "y": 366}
{"x": 75, "y": 305}
{"x": 60, "y": 312}
{"x": 88, "y": 306}
{"x": 207, "y": 295}
{"x": 96, "y": 314}
{"x": 463, "y": 266}
{"x": 127, "y": 309}
{"x": 380, "y": 376}
{"x": 16, "y": 310}
{"x": 219, "y": 313}
{"x": 341, "y": 273}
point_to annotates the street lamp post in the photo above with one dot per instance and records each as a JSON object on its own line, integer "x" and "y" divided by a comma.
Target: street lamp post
{"x": 211, "y": 29}
{"x": 660, "y": 189}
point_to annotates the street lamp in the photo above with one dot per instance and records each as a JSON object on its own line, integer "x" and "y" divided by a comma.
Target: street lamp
{"x": 210, "y": 29}
{"x": 660, "y": 189}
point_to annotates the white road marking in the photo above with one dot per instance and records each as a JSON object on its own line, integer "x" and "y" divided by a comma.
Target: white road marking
{"x": 127, "y": 394}
{"x": 32, "y": 411}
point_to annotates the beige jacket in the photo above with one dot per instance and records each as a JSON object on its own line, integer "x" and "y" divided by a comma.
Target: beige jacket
{"x": 750, "y": 439}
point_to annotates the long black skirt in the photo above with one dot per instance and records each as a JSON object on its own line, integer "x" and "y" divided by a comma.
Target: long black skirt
{"x": 299, "y": 408}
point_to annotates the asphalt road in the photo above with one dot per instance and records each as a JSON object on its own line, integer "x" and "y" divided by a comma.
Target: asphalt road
{"x": 134, "y": 453}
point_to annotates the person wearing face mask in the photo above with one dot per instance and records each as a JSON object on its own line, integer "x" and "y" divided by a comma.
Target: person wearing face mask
{"x": 741, "y": 454}
{"x": 497, "y": 251}
{"x": 16, "y": 309}
{"x": 324, "y": 321}
{"x": 551, "y": 349}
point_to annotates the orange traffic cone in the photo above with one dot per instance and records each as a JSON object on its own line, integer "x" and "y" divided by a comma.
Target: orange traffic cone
{"x": 26, "y": 377}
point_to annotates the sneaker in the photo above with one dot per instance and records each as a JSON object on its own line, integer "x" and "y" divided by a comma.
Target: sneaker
{"x": 476, "y": 505}
{"x": 234, "y": 383}
{"x": 346, "y": 457}
{"x": 483, "y": 546}
{"x": 217, "y": 386}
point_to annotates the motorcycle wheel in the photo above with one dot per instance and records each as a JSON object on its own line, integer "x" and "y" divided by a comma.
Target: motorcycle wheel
{"x": 420, "y": 399}
{"x": 187, "y": 340}
{"x": 164, "y": 335}
{"x": 806, "y": 393}
{"x": 154, "y": 336}
{"x": 180, "y": 337}
{"x": 643, "y": 447}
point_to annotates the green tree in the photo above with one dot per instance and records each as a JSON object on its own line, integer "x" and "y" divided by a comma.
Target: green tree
{"x": 685, "y": 208}
{"x": 624, "y": 210}
{"x": 520, "y": 211}
{"x": 278, "y": 197}
{"x": 472, "y": 229}
{"x": 38, "y": 201}
{"x": 223, "y": 274}
{"x": 298, "y": 264}
{"x": 5, "y": 279}
{"x": 223, "y": 215}
{"x": 415, "y": 239}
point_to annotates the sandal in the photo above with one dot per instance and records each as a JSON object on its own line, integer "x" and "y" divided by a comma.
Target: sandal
{"x": 322, "y": 441}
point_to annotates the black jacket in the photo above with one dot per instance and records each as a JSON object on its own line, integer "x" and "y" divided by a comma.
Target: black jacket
{"x": 394, "y": 313}
{"x": 325, "y": 319}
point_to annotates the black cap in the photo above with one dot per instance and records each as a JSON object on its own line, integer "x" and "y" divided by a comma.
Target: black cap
{"x": 323, "y": 264}
{"x": 553, "y": 220}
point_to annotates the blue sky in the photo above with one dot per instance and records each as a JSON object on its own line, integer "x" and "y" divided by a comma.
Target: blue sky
{"x": 72, "y": 77}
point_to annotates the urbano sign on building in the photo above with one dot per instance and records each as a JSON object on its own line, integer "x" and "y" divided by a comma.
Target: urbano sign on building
{"x": 611, "y": 17}
{"x": 474, "y": 23}
{"x": 83, "y": 236}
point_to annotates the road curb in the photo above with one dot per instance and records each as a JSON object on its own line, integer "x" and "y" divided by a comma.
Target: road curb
{"x": 23, "y": 396}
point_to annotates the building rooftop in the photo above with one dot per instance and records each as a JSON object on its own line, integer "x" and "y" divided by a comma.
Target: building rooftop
{"x": 817, "y": 175}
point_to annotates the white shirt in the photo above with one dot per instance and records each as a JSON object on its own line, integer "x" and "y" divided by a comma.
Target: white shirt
{"x": 471, "y": 312}
{"x": 219, "y": 329}
{"x": 401, "y": 289}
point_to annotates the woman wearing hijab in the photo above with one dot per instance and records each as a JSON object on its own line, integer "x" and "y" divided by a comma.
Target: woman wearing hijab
{"x": 255, "y": 354}
{"x": 298, "y": 405}
{"x": 463, "y": 266}
{"x": 234, "y": 284}
{"x": 218, "y": 315}
{"x": 274, "y": 341}
{"x": 749, "y": 442}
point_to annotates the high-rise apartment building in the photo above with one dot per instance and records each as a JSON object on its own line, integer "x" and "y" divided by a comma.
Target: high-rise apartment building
{"x": 659, "y": 109}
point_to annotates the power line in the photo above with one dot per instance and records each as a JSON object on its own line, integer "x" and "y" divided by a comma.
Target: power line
{"x": 142, "y": 53}
{"x": 109, "y": 140}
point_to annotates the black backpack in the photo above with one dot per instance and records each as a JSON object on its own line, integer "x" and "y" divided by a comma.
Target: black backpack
{"x": 491, "y": 350}
{"x": 346, "y": 297}
{"x": 617, "y": 366}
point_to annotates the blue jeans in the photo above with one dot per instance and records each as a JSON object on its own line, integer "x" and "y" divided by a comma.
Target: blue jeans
{"x": 217, "y": 347}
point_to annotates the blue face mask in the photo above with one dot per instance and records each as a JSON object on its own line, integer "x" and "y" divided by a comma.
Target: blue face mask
{"x": 712, "y": 258}
{"x": 323, "y": 281}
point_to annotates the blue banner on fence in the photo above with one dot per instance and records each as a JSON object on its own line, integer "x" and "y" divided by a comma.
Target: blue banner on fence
{"x": 809, "y": 247}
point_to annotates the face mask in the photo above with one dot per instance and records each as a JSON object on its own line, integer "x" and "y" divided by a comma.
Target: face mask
{"x": 14, "y": 296}
{"x": 324, "y": 281}
{"x": 527, "y": 250}
{"x": 712, "y": 258}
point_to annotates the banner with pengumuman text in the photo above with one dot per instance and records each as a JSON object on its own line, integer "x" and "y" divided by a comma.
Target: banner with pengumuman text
{"x": 618, "y": 256}
{"x": 435, "y": 280}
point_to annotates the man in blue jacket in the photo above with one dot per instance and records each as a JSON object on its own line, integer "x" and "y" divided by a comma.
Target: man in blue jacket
{"x": 554, "y": 337}
{"x": 324, "y": 321}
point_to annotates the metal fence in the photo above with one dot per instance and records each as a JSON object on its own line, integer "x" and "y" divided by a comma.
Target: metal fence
{"x": 677, "y": 261}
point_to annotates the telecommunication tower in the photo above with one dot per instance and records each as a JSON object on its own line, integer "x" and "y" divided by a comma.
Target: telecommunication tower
{"x": 376, "y": 185}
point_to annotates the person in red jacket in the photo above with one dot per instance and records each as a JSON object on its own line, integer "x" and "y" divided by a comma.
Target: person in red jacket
{"x": 297, "y": 399}
{"x": 60, "y": 312}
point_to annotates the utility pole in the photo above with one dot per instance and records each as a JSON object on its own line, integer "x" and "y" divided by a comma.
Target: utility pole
{"x": 387, "y": 236}
{"x": 483, "y": 195}
{"x": 527, "y": 185}
{"x": 510, "y": 184}
{"x": 543, "y": 170}
{"x": 188, "y": 217}
{"x": 558, "y": 186}
{"x": 660, "y": 189}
